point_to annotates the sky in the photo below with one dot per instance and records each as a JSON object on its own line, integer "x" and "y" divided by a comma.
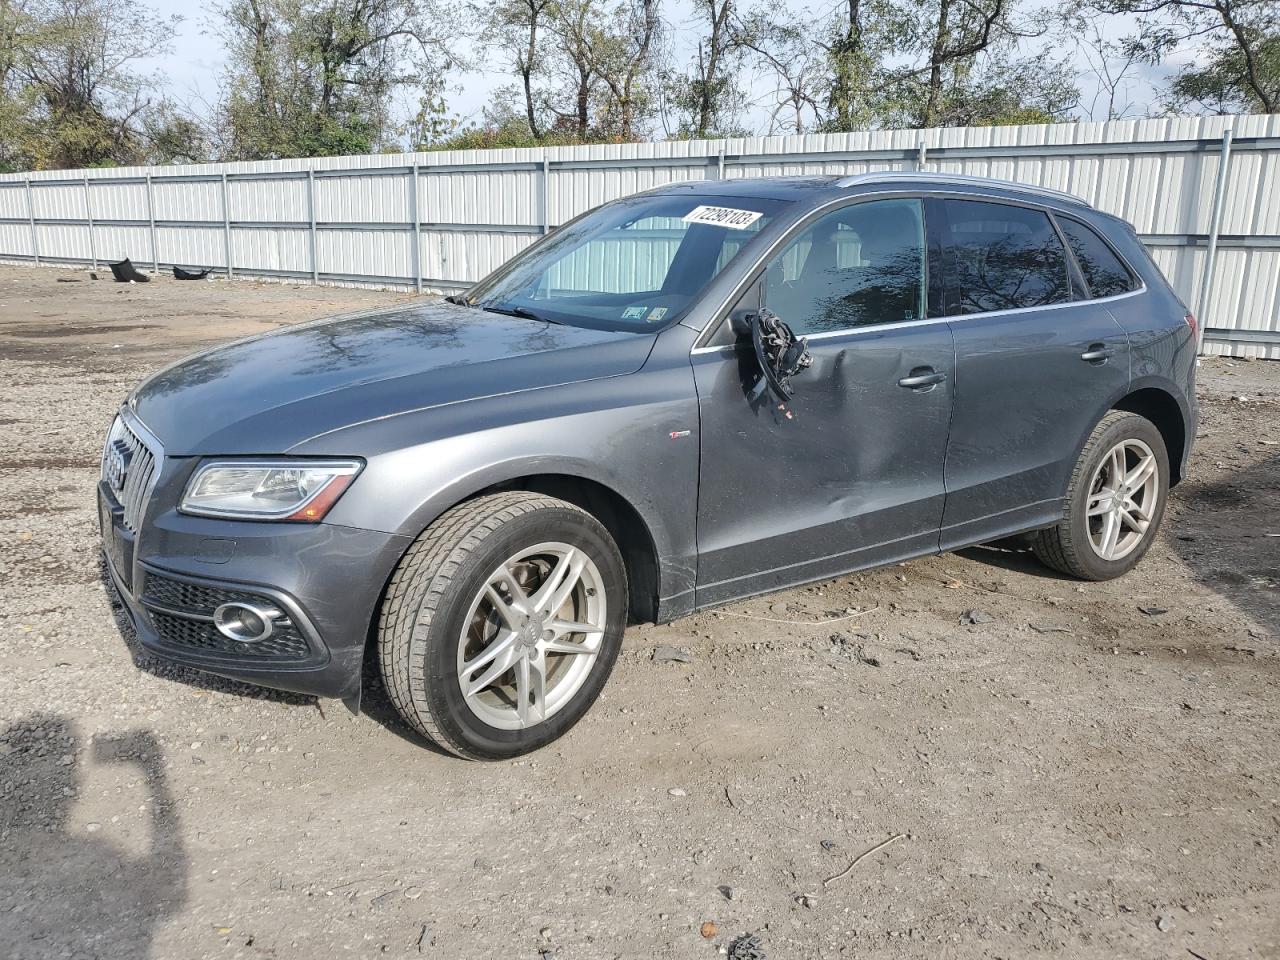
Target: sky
{"x": 193, "y": 65}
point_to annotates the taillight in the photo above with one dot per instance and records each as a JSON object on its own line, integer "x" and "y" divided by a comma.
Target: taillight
{"x": 1193, "y": 323}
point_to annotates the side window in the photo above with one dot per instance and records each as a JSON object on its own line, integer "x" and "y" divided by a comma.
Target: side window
{"x": 1001, "y": 257}
{"x": 1102, "y": 269}
{"x": 862, "y": 265}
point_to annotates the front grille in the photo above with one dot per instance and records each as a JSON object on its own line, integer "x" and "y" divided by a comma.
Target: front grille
{"x": 180, "y": 611}
{"x": 129, "y": 468}
{"x": 201, "y": 636}
{"x": 192, "y": 597}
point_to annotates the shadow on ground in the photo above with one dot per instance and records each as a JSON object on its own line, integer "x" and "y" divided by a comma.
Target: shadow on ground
{"x": 1229, "y": 535}
{"x": 71, "y": 890}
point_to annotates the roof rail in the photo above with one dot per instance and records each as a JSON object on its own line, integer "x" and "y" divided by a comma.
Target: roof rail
{"x": 959, "y": 180}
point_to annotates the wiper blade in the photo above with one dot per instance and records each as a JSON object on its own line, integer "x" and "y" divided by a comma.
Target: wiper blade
{"x": 459, "y": 299}
{"x": 518, "y": 312}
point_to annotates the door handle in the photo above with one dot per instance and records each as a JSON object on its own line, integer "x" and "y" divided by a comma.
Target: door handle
{"x": 922, "y": 378}
{"x": 1097, "y": 353}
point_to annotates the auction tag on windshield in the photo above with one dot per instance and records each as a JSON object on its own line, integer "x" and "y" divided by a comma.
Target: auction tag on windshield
{"x": 729, "y": 217}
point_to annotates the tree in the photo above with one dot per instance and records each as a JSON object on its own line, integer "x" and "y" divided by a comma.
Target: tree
{"x": 1110, "y": 63}
{"x": 967, "y": 65}
{"x": 519, "y": 29}
{"x": 1238, "y": 77}
{"x": 782, "y": 46}
{"x": 70, "y": 91}
{"x": 1241, "y": 69}
{"x": 706, "y": 96}
{"x": 853, "y": 54}
{"x": 317, "y": 77}
{"x": 621, "y": 49}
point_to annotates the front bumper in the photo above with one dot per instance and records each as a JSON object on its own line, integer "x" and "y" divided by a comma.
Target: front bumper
{"x": 327, "y": 580}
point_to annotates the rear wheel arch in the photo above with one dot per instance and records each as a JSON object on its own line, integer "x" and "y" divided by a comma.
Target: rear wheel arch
{"x": 1162, "y": 409}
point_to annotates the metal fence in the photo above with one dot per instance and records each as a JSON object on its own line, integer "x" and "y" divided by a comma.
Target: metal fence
{"x": 1203, "y": 192}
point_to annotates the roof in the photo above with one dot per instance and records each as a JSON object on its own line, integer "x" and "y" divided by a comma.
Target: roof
{"x": 812, "y": 188}
{"x": 954, "y": 179}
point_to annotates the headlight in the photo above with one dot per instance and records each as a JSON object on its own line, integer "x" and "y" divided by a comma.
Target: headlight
{"x": 298, "y": 490}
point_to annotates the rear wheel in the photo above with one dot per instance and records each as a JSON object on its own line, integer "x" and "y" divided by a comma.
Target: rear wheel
{"x": 1115, "y": 501}
{"x": 502, "y": 624}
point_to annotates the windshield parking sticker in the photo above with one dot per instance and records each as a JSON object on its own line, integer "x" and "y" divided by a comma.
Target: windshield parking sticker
{"x": 634, "y": 313}
{"x": 729, "y": 217}
{"x": 657, "y": 314}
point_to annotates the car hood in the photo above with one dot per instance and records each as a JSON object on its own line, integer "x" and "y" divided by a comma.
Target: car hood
{"x": 269, "y": 393}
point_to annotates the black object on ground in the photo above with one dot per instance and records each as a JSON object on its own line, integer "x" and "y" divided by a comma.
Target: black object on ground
{"x": 180, "y": 274}
{"x": 126, "y": 272}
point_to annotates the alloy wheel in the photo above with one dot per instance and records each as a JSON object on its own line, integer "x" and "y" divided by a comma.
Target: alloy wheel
{"x": 1122, "y": 499}
{"x": 532, "y": 635}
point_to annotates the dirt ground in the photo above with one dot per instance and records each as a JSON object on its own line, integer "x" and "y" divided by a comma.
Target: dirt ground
{"x": 1092, "y": 772}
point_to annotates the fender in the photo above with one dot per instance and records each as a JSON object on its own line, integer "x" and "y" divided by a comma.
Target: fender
{"x": 584, "y": 431}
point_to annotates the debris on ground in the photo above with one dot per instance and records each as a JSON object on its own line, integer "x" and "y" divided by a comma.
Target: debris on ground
{"x": 1153, "y": 611}
{"x": 726, "y": 891}
{"x": 126, "y": 272}
{"x": 1043, "y": 626}
{"x": 708, "y": 930}
{"x": 665, "y": 653}
{"x": 974, "y": 617}
{"x": 747, "y": 947}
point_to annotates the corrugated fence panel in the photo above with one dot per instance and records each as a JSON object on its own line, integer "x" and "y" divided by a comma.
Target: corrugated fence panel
{"x": 187, "y": 200}
{"x": 16, "y": 239}
{"x": 192, "y": 246}
{"x": 270, "y": 201}
{"x": 117, "y": 201}
{"x": 272, "y": 250}
{"x": 63, "y": 241}
{"x": 476, "y": 209}
{"x": 364, "y": 199}
{"x": 62, "y": 201}
{"x": 117, "y": 242}
{"x": 13, "y": 202}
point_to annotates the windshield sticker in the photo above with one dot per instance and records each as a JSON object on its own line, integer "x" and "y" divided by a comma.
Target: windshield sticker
{"x": 656, "y": 314}
{"x": 634, "y": 313}
{"x": 729, "y": 217}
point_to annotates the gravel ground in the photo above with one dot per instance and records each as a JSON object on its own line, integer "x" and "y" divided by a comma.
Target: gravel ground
{"x": 1087, "y": 771}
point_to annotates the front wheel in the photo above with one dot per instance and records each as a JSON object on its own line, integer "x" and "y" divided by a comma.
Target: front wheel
{"x": 502, "y": 623}
{"x": 1115, "y": 501}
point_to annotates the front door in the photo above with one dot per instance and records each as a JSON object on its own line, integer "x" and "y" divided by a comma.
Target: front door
{"x": 849, "y": 473}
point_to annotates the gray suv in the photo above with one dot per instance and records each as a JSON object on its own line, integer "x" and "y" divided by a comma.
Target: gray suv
{"x": 679, "y": 399}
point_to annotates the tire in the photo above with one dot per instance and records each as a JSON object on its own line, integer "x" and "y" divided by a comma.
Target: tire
{"x": 1077, "y": 544}
{"x": 452, "y": 579}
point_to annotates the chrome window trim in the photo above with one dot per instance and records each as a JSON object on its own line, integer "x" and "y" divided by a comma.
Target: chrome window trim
{"x": 720, "y": 312}
{"x": 952, "y": 318}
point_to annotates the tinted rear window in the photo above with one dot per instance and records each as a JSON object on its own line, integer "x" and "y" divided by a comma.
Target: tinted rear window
{"x": 1102, "y": 269}
{"x": 1001, "y": 257}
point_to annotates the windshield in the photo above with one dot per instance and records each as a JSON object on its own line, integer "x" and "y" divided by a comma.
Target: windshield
{"x": 634, "y": 264}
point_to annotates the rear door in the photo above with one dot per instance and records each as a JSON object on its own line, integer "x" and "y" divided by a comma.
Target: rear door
{"x": 1036, "y": 362}
{"x": 848, "y": 473}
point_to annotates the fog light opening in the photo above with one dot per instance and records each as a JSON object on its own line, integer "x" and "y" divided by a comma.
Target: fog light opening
{"x": 245, "y": 622}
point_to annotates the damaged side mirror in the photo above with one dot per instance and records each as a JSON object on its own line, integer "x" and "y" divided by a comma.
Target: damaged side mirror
{"x": 779, "y": 352}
